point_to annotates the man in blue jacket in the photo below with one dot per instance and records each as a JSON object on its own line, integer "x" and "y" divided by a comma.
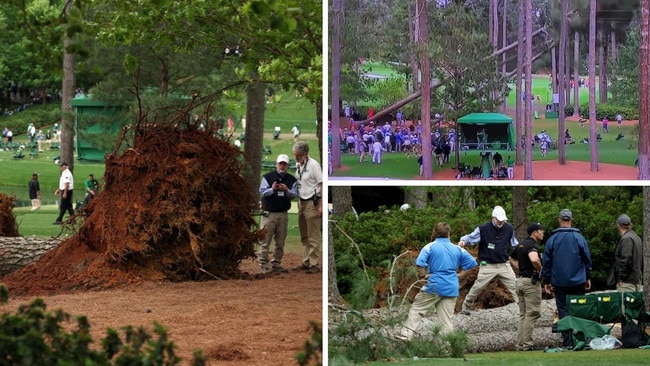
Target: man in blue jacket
{"x": 566, "y": 266}
{"x": 442, "y": 258}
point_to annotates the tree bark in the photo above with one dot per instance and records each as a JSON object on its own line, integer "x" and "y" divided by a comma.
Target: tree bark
{"x": 554, "y": 76}
{"x": 644, "y": 100}
{"x": 422, "y": 34}
{"x": 416, "y": 196}
{"x": 646, "y": 224}
{"x": 67, "y": 93}
{"x": 504, "y": 40}
{"x": 602, "y": 62}
{"x": 528, "y": 170}
{"x": 15, "y": 253}
{"x": 341, "y": 205}
{"x": 254, "y": 133}
{"x": 519, "y": 211}
{"x": 415, "y": 68}
{"x": 519, "y": 128}
{"x": 562, "y": 77}
{"x": 593, "y": 144}
{"x": 336, "y": 81}
{"x": 576, "y": 74}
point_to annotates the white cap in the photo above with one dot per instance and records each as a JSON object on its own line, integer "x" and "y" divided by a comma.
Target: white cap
{"x": 499, "y": 213}
{"x": 284, "y": 158}
{"x": 405, "y": 207}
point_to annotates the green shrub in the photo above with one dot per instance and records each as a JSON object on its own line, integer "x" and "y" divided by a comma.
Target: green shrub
{"x": 313, "y": 348}
{"x": 42, "y": 115}
{"x": 606, "y": 110}
{"x": 35, "y": 336}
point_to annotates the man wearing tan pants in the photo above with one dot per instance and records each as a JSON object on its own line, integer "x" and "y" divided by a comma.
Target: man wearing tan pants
{"x": 310, "y": 206}
{"x": 526, "y": 258}
{"x": 493, "y": 239}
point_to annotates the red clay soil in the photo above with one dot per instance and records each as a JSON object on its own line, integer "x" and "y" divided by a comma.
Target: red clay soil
{"x": 262, "y": 321}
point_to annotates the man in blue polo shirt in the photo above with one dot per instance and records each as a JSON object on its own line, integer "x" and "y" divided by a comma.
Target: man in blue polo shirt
{"x": 442, "y": 258}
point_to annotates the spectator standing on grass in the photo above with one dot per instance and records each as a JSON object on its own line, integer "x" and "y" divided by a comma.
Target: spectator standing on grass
{"x": 277, "y": 189}
{"x": 619, "y": 120}
{"x": 31, "y": 131}
{"x": 66, "y": 183}
{"x": 494, "y": 239}
{"x": 421, "y": 163}
{"x": 310, "y": 206}
{"x": 525, "y": 257}
{"x": 566, "y": 266}
{"x": 605, "y": 125}
{"x": 376, "y": 152}
{"x": 35, "y": 192}
{"x": 627, "y": 271}
{"x": 39, "y": 140}
{"x": 437, "y": 263}
{"x": 511, "y": 167}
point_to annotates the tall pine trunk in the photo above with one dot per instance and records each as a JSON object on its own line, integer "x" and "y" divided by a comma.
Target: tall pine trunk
{"x": 255, "y": 101}
{"x": 67, "y": 93}
{"x": 576, "y": 74}
{"x": 528, "y": 172}
{"x": 563, "y": 75}
{"x": 422, "y": 34}
{"x": 337, "y": 23}
{"x": 519, "y": 211}
{"x": 519, "y": 120}
{"x": 593, "y": 144}
{"x": 644, "y": 103}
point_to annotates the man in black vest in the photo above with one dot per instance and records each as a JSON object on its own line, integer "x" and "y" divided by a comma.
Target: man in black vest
{"x": 494, "y": 239}
{"x": 277, "y": 189}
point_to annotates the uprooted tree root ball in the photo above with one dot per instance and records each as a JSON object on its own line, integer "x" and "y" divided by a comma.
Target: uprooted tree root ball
{"x": 175, "y": 207}
{"x": 8, "y": 226}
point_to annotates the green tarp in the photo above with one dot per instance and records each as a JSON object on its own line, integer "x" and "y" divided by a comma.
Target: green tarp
{"x": 582, "y": 328}
{"x": 499, "y": 128}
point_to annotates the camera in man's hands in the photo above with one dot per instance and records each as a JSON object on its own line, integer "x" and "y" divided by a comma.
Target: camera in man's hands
{"x": 278, "y": 180}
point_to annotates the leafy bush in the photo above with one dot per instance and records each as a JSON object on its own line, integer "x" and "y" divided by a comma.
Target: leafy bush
{"x": 313, "y": 348}
{"x": 34, "y": 336}
{"x": 42, "y": 115}
{"x": 606, "y": 110}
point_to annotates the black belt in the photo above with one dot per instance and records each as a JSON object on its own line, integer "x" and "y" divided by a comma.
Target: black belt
{"x": 526, "y": 276}
{"x": 307, "y": 199}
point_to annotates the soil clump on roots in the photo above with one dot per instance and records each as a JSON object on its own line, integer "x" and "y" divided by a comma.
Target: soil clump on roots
{"x": 8, "y": 227}
{"x": 175, "y": 207}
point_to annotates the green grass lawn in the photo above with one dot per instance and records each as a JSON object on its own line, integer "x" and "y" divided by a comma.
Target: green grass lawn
{"x": 537, "y": 358}
{"x": 39, "y": 223}
{"x": 399, "y": 166}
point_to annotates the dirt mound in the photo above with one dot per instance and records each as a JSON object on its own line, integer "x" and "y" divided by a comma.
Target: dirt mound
{"x": 175, "y": 207}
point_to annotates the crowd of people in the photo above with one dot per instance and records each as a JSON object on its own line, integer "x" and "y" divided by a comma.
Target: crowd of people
{"x": 371, "y": 141}
{"x": 564, "y": 269}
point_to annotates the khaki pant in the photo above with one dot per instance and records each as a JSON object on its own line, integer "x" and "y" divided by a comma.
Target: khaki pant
{"x": 629, "y": 287}
{"x": 423, "y": 302}
{"x": 486, "y": 273}
{"x": 530, "y": 300}
{"x": 276, "y": 226}
{"x": 309, "y": 222}
{"x": 36, "y": 204}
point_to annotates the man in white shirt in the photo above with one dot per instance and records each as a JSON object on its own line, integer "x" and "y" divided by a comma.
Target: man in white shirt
{"x": 310, "y": 206}
{"x": 376, "y": 152}
{"x": 66, "y": 182}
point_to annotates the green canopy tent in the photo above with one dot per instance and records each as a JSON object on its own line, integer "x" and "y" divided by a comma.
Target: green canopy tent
{"x": 485, "y": 131}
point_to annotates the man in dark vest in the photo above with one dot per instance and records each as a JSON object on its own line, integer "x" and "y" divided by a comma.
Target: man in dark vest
{"x": 494, "y": 239}
{"x": 277, "y": 189}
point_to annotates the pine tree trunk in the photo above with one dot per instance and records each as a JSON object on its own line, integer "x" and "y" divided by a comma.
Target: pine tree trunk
{"x": 254, "y": 133}
{"x": 337, "y": 21}
{"x": 564, "y": 34}
{"x": 593, "y": 144}
{"x": 333, "y": 293}
{"x": 603, "y": 64}
{"x": 644, "y": 103}
{"x": 646, "y": 214}
{"x": 67, "y": 93}
{"x": 422, "y": 34}
{"x": 519, "y": 212}
{"x": 15, "y": 253}
{"x": 416, "y": 196}
{"x": 519, "y": 120}
{"x": 576, "y": 74}
{"x": 528, "y": 172}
